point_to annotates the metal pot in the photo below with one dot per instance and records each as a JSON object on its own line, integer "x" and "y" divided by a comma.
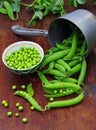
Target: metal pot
{"x": 59, "y": 29}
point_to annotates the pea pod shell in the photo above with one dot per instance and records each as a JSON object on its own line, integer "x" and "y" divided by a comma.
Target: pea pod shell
{"x": 73, "y": 47}
{"x": 9, "y": 10}
{"x": 3, "y": 11}
{"x": 82, "y": 72}
{"x": 65, "y": 103}
{"x": 30, "y": 89}
{"x": 53, "y": 57}
{"x": 29, "y": 98}
{"x": 62, "y": 85}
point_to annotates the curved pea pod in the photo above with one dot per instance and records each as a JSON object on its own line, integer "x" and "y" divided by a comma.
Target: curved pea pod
{"x": 51, "y": 66}
{"x": 47, "y": 90}
{"x": 3, "y": 11}
{"x": 65, "y": 103}
{"x": 9, "y": 10}
{"x": 73, "y": 46}
{"x": 63, "y": 93}
{"x": 62, "y": 85}
{"x": 70, "y": 79}
{"x": 53, "y": 57}
{"x": 83, "y": 48}
{"x": 82, "y": 72}
{"x": 42, "y": 78}
{"x": 55, "y": 72}
{"x": 30, "y": 89}
{"x": 75, "y": 69}
{"x": 59, "y": 67}
{"x": 64, "y": 64}
{"x": 29, "y": 98}
{"x": 62, "y": 47}
{"x": 73, "y": 63}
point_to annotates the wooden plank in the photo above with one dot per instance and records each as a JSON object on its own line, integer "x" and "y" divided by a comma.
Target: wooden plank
{"x": 79, "y": 117}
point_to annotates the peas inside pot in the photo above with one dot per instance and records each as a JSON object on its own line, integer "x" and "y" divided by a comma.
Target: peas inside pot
{"x": 23, "y": 57}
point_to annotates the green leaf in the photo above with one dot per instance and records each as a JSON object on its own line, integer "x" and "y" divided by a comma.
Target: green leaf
{"x": 38, "y": 14}
{"x": 72, "y": 3}
{"x": 16, "y": 6}
{"x": 81, "y": 1}
{"x": 30, "y": 89}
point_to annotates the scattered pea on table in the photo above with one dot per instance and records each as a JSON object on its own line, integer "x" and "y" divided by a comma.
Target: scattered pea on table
{"x": 24, "y": 120}
{"x": 9, "y": 113}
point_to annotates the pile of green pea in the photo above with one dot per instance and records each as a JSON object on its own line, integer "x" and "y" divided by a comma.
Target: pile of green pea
{"x": 66, "y": 64}
{"x": 23, "y": 58}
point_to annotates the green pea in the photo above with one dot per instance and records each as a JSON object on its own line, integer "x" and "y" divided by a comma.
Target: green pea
{"x": 3, "y": 102}
{"x": 6, "y": 104}
{"x": 24, "y": 120}
{"x": 22, "y": 59}
{"x": 17, "y": 104}
{"x": 14, "y": 87}
{"x": 17, "y": 114}
{"x": 32, "y": 108}
{"x": 9, "y": 113}
{"x": 20, "y": 108}
{"x": 23, "y": 86}
{"x": 51, "y": 99}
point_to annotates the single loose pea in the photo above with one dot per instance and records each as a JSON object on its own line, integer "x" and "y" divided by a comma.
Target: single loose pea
{"x": 14, "y": 87}
{"x": 17, "y": 104}
{"x": 6, "y": 104}
{"x": 32, "y": 108}
{"x": 17, "y": 114}
{"x": 23, "y": 86}
{"x": 24, "y": 120}
{"x": 3, "y": 102}
{"x": 9, "y": 113}
{"x": 20, "y": 108}
{"x": 51, "y": 99}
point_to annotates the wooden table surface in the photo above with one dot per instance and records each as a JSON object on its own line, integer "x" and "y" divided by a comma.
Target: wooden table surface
{"x": 79, "y": 117}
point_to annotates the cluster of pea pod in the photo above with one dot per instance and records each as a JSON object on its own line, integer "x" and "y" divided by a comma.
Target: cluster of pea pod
{"x": 66, "y": 64}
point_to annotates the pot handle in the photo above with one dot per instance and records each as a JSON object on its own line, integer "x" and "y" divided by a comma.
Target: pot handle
{"x": 29, "y": 31}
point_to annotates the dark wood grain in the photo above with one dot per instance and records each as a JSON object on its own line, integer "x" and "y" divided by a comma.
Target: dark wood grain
{"x": 79, "y": 117}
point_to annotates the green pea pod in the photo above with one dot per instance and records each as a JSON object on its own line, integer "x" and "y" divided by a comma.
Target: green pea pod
{"x": 3, "y": 11}
{"x": 42, "y": 77}
{"x": 83, "y": 48}
{"x": 65, "y": 103}
{"x": 73, "y": 47}
{"x": 53, "y": 57}
{"x": 30, "y": 89}
{"x": 70, "y": 79}
{"x": 64, "y": 93}
{"x": 9, "y": 10}
{"x": 62, "y": 85}
{"x": 51, "y": 65}
{"x": 75, "y": 69}
{"x": 29, "y": 98}
{"x": 64, "y": 64}
{"x": 82, "y": 72}
{"x": 59, "y": 67}
{"x": 55, "y": 72}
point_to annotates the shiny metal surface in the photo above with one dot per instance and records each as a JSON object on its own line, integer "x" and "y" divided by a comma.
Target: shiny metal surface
{"x": 60, "y": 29}
{"x": 83, "y": 19}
